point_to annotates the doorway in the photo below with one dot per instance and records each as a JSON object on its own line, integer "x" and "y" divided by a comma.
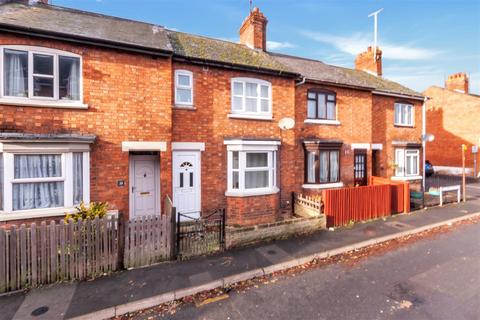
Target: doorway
{"x": 360, "y": 167}
{"x": 144, "y": 185}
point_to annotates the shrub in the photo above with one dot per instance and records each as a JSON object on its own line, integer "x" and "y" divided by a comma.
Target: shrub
{"x": 95, "y": 209}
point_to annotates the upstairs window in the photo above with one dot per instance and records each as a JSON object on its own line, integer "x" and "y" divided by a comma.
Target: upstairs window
{"x": 183, "y": 88}
{"x": 40, "y": 74}
{"x": 251, "y": 96}
{"x": 404, "y": 114}
{"x": 321, "y": 105}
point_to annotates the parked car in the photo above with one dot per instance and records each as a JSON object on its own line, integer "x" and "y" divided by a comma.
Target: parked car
{"x": 429, "y": 169}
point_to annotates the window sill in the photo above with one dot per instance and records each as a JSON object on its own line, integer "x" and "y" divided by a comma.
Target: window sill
{"x": 184, "y": 107}
{"x": 323, "y": 185}
{"x": 43, "y": 103}
{"x": 409, "y": 178}
{"x": 403, "y": 125}
{"x": 41, "y": 213}
{"x": 262, "y": 192}
{"x": 250, "y": 116}
{"x": 320, "y": 121}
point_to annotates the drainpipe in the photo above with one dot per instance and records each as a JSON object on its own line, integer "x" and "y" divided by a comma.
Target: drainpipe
{"x": 301, "y": 82}
{"x": 424, "y": 143}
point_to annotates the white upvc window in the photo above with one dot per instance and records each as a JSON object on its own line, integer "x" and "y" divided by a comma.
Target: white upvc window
{"x": 251, "y": 97}
{"x": 251, "y": 168}
{"x": 407, "y": 162}
{"x": 183, "y": 88}
{"x": 40, "y": 76}
{"x": 404, "y": 114}
{"x": 43, "y": 182}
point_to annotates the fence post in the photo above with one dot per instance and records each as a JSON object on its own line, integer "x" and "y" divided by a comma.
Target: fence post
{"x": 406, "y": 197}
{"x": 121, "y": 241}
{"x": 224, "y": 219}
{"x": 173, "y": 233}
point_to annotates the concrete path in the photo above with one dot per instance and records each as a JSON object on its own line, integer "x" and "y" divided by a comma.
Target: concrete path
{"x": 140, "y": 288}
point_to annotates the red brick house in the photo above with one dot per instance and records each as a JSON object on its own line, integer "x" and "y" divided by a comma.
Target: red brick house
{"x": 453, "y": 115}
{"x": 97, "y": 108}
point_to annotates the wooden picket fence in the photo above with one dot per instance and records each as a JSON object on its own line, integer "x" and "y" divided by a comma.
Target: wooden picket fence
{"x": 47, "y": 253}
{"x": 307, "y": 206}
{"x": 64, "y": 251}
{"x": 380, "y": 199}
{"x": 148, "y": 240}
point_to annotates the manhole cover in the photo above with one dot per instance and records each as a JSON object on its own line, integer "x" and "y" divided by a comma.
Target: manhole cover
{"x": 39, "y": 311}
{"x": 272, "y": 252}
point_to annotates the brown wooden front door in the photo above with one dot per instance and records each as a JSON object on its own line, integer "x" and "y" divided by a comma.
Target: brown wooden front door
{"x": 360, "y": 167}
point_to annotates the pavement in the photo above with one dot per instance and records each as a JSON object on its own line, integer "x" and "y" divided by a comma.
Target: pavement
{"x": 436, "y": 277}
{"x": 137, "y": 289}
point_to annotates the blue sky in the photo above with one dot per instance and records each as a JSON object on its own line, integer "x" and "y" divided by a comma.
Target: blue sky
{"x": 423, "y": 41}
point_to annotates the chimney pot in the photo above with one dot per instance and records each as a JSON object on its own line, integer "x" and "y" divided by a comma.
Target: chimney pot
{"x": 366, "y": 62}
{"x": 458, "y": 82}
{"x": 253, "y": 32}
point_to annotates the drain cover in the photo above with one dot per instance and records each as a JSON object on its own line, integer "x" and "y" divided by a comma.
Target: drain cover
{"x": 272, "y": 252}
{"x": 39, "y": 311}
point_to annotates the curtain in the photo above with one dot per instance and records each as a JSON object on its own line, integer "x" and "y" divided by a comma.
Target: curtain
{"x": 334, "y": 166}
{"x": 73, "y": 88}
{"x": 324, "y": 166}
{"x": 77, "y": 177}
{"x": 256, "y": 179}
{"x": 255, "y": 160}
{"x": 16, "y": 73}
{"x": 37, "y": 194}
{"x": 311, "y": 167}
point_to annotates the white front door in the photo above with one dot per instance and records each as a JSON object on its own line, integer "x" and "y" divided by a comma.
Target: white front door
{"x": 144, "y": 186}
{"x": 186, "y": 183}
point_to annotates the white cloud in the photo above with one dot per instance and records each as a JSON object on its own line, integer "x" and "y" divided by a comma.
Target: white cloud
{"x": 358, "y": 42}
{"x": 275, "y": 45}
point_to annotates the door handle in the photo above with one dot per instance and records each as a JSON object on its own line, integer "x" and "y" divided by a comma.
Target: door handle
{"x": 133, "y": 189}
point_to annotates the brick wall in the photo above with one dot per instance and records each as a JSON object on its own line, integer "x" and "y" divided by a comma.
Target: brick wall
{"x": 128, "y": 98}
{"x": 384, "y": 130}
{"x": 209, "y": 123}
{"x": 453, "y": 118}
{"x": 355, "y": 116}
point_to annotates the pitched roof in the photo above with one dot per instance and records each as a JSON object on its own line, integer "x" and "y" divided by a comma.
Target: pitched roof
{"x": 224, "y": 52}
{"x": 72, "y": 23}
{"x": 316, "y": 70}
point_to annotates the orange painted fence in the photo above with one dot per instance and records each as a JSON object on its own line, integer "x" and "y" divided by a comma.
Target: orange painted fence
{"x": 380, "y": 199}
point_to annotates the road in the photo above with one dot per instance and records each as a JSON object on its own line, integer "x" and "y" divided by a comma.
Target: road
{"x": 433, "y": 278}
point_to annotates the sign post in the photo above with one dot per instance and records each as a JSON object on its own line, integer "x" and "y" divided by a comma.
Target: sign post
{"x": 464, "y": 148}
{"x": 475, "y": 152}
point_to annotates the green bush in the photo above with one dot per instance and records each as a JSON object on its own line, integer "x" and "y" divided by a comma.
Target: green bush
{"x": 95, "y": 209}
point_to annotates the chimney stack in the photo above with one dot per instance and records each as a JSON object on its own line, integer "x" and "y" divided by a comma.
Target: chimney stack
{"x": 253, "y": 32}
{"x": 457, "y": 82}
{"x": 365, "y": 62}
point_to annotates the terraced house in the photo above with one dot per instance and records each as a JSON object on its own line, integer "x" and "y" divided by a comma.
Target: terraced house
{"x": 97, "y": 108}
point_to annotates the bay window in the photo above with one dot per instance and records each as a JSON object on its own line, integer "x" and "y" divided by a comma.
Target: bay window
{"x": 35, "y": 75}
{"x": 251, "y": 168}
{"x": 33, "y": 177}
{"x": 407, "y": 162}
{"x": 251, "y": 97}
{"x": 322, "y": 162}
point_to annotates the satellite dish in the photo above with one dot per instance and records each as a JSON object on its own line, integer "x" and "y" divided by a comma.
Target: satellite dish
{"x": 428, "y": 137}
{"x": 286, "y": 123}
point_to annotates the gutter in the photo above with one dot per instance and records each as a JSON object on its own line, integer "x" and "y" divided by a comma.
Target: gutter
{"x": 398, "y": 95}
{"x": 304, "y": 79}
{"x": 86, "y": 41}
{"x": 341, "y": 85}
